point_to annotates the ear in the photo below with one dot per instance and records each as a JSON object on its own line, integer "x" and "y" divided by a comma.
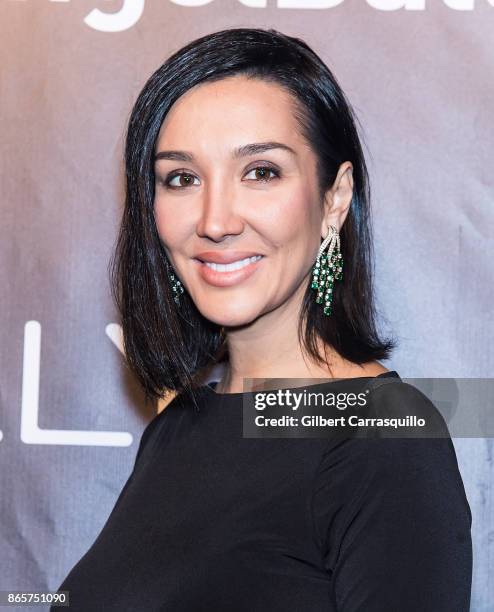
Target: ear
{"x": 338, "y": 199}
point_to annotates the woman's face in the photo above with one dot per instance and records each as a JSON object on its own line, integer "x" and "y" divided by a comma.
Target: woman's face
{"x": 234, "y": 177}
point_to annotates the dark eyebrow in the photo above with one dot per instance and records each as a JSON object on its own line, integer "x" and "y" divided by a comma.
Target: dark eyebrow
{"x": 243, "y": 151}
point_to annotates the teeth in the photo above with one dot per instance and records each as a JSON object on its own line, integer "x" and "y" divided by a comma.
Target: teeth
{"x": 235, "y": 265}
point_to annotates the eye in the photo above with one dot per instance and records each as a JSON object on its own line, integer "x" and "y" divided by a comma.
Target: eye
{"x": 262, "y": 173}
{"x": 182, "y": 179}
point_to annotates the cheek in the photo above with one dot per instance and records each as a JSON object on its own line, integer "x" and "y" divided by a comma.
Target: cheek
{"x": 159, "y": 216}
{"x": 297, "y": 222}
{"x": 166, "y": 224}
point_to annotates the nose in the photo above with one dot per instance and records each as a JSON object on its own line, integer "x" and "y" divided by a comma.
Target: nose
{"x": 220, "y": 212}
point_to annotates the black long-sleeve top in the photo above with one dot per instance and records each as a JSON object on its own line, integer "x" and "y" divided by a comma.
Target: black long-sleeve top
{"x": 212, "y": 521}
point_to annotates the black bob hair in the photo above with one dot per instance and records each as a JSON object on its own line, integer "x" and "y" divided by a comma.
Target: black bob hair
{"x": 168, "y": 346}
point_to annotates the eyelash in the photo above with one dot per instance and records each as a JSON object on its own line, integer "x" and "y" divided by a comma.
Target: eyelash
{"x": 275, "y": 171}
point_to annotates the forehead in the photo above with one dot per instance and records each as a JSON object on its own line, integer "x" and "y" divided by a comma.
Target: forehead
{"x": 229, "y": 111}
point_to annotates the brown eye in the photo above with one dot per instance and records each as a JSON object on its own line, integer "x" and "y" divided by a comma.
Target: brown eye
{"x": 182, "y": 179}
{"x": 262, "y": 173}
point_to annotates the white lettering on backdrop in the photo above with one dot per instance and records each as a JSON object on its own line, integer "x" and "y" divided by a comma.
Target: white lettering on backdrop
{"x": 131, "y": 11}
{"x": 31, "y": 433}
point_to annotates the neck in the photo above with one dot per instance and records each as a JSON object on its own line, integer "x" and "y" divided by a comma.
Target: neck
{"x": 270, "y": 348}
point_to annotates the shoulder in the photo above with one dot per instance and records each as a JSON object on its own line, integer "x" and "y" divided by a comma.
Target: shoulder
{"x": 398, "y": 475}
{"x": 373, "y": 368}
{"x": 164, "y": 417}
{"x": 392, "y": 398}
{"x": 170, "y": 415}
{"x": 148, "y": 431}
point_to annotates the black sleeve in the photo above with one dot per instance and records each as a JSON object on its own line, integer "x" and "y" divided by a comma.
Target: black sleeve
{"x": 393, "y": 521}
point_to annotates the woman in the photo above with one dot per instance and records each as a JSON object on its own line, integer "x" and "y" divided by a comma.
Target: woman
{"x": 246, "y": 190}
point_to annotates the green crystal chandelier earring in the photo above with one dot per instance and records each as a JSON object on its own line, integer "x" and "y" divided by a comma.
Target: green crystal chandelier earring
{"x": 177, "y": 287}
{"x": 327, "y": 269}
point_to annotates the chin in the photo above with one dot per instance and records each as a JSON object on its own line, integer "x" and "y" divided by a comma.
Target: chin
{"x": 233, "y": 314}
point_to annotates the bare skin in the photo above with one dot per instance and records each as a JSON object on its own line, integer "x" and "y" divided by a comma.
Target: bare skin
{"x": 218, "y": 202}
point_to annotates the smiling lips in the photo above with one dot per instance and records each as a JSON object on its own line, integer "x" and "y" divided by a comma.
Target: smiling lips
{"x": 223, "y": 269}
